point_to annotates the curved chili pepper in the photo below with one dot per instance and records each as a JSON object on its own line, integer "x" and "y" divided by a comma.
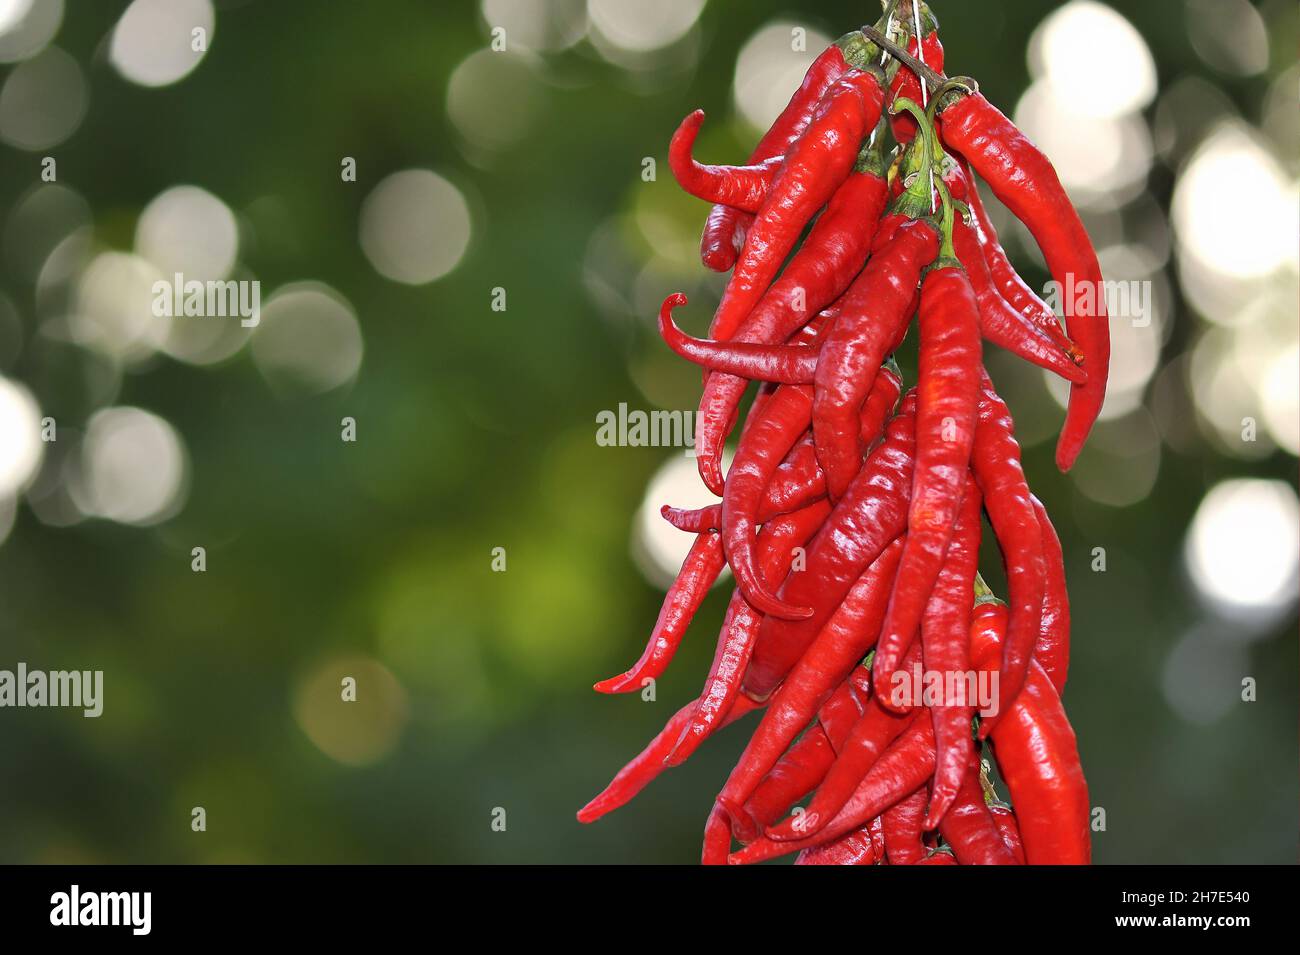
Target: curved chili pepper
{"x": 795, "y": 775}
{"x": 646, "y": 766}
{"x": 872, "y": 512}
{"x": 742, "y": 187}
{"x": 1005, "y": 820}
{"x": 870, "y": 319}
{"x": 802, "y": 767}
{"x": 902, "y": 828}
{"x": 853, "y": 848}
{"x": 900, "y": 771}
{"x": 999, "y": 322}
{"x": 1052, "y": 649}
{"x": 879, "y": 406}
{"x": 837, "y": 648}
{"x": 1007, "y": 280}
{"x": 1024, "y": 180}
{"x": 699, "y": 570}
{"x": 871, "y": 735}
{"x": 815, "y": 166}
{"x": 968, "y": 826}
{"x": 717, "y": 838}
{"x": 945, "y": 649}
{"x": 817, "y": 274}
{"x": 793, "y": 364}
{"x": 948, "y": 396}
{"x": 996, "y": 464}
{"x": 785, "y": 418}
{"x": 724, "y": 231}
{"x": 721, "y": 688}
{"x": 1037, "y": 756}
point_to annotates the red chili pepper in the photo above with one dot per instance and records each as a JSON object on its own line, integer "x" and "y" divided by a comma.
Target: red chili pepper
{"x": 996, "y": 463}
{"x": 784, "y": 419}
{"x": 742, "y": 187}
{"x": 854, "y": 848}
{"x": 840, "y": 644}
{"x": 646, "y": 766}
{"x": 735, "y": 645}
{"x": 793, "y": 364}
{"x": 902, "y": 824}
{"x": 999, "y": 322}
{"x": 948, "y": 396}
{"x": 802, "y": 767}
{"x": 969, "y": 827}
{"x": 939, "y": 857}
{"x": 903, "y": 768}
{"x": 797, "y": 774}
{"x": 872, "y": 512}
{"x": 1024, "y": 180}
{"x": 880, "y": 404}
{"x": 945, "y": 649}
{"x": 700, "y": 569}
{"x": 817, "y": 274}
{"x": 724, "y": 232}
{"x": 1037, "y": 756}
{"x": 817, "y": 163}
{"x": 871, "y": 735}
{"x": 1052, "y": 648}
{"x": 1018, "y": 295}
{"x": 870, "y": 319}
{"x": 1005, "y": 820}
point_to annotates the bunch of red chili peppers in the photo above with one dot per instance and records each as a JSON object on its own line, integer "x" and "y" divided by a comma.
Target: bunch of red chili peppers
{"x": 851, "y": 516}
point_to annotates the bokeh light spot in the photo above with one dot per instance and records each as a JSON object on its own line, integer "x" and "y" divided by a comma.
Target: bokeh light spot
{"x": 133, "y": 467}
{"x": 43, "y": 101}
{"x": 358, "y": 732}
{"x": 415, "y": 226}
{"x": 308, "y": 340}
{"x": 153, "y": 42}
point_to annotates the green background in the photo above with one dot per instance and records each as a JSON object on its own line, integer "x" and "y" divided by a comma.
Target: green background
{"x": 476, "y": 430}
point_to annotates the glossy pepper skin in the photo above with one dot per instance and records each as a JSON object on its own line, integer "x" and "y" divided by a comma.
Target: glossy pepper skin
{"x": 802, "y": 767}
{"x": 1009, "y": 505}
{"x": 742, "y": 187}
{"x": 872, "y": 513}
{"x": 871, "y": 318}
{"x": 1005, "y": 819}
{"x": 1038, "y": 757}
{"x": 871, "y": 735}
{"x": 721, "y": 691}
{"x": 761, "y": 451}
{"x": 902, "y": 825}
{"x": 790, "y": 364}
{"x": 1052, "y": 648}
{"x": 817, "y": 163}
{"x": 817, "y": 274}
{"x": 699, "y": 570}
{"x": 999, "y": 322}
{"x": 903, "y": 768}
{"x": 724, "y": 230}
{"x": 969, "y": 828}
{"x": 838, "y": 647}
{"x": 1024, "y": 180}
{"x": 853, "y": 848}
{"x": 946, "y": 413}
{"x": 1007, "y": 280}
{"x": 945, "y": 649}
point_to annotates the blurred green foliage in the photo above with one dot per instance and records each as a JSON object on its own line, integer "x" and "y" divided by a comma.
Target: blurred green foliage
{"x": 476, "y": 431}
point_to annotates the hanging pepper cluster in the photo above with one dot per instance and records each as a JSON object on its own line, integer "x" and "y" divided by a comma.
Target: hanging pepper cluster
{"x": 886, "y": 673}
